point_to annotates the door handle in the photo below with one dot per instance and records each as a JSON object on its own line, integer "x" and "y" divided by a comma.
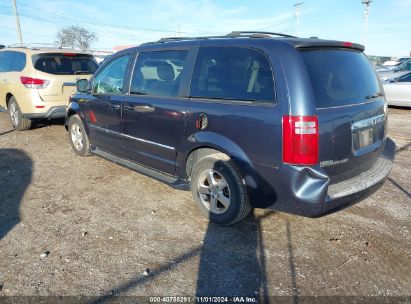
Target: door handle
{"x": 144, "y": 108}
{"x": 115, "y": 106}
{"x": 139, "y": 108}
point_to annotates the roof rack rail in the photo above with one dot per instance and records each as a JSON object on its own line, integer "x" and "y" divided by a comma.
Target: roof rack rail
{"x": 170, "y": 39}
{"x": 37, "y": 45}
{"x": 234, "y": 34}
{"x": 257, "y": 34}
{"x": 167, "y": 39}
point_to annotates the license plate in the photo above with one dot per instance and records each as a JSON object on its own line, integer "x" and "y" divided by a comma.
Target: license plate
{"x": 366, "y": 137}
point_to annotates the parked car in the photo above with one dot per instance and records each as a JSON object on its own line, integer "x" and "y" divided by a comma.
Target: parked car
{"x": 398, "y": 90}
{"x": 387, "y": 68}
{"x": 37, "y": 82}
{"x": 393, "y": 72}
{"x": 390, "y": 63}
{"x": 246, "y": 120}
{"x": 404, "y": 59}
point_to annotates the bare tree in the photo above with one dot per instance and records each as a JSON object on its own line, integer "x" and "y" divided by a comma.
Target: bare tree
{"x": 75, "y": 37}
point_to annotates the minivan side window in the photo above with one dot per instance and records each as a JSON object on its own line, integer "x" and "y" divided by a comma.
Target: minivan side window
{"x": 110, "y": 80}
{"x": 232, "y": 73}
{"x": 158, "y": 73}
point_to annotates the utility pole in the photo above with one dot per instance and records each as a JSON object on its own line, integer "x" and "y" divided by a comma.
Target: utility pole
{"x": 17, "y": 21}
{"x": 367, "y": 4}
{"x": 297, "y": 16}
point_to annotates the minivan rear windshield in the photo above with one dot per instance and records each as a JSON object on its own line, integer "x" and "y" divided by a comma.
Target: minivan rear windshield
{"x": 340, "y": 77}
{"x": 65, "y": 63}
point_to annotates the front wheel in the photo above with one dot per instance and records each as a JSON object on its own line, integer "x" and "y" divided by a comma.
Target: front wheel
{"x": 78, "y": 137}
{"x": 17, "y": 119}
{"x": 218, "y": 190}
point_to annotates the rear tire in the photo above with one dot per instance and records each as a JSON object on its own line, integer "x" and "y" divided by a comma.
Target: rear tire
{"x": 18, "y": 121}
{"x": 78, "y": 137}
{"x": 218, "y": 190}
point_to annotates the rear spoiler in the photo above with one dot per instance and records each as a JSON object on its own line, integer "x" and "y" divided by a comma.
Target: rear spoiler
{"x": 312, "y": 43}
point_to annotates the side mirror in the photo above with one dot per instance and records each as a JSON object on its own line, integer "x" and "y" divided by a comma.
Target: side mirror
{"x": 82, "y": 85}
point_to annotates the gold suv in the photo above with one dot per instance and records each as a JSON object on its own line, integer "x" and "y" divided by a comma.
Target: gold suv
{"x": 37, "y": 82}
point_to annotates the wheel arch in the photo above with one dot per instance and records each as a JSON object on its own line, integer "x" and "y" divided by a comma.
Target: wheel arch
{"x": 193, "y": 150}
{"x": 207, "y": 143}
{"x": 73, "y": 109}
{"x": 8, "y": 97}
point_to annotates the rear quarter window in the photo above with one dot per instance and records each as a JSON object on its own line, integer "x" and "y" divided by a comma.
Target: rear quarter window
{"x": 65, "y": 63}
{"x": 6, "y": 61}
{"x": 340, "y": 77}
{"x": 232, "y": 73}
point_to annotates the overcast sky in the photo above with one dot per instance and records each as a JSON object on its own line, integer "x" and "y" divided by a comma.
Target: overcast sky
{"x": 130, "y": 22}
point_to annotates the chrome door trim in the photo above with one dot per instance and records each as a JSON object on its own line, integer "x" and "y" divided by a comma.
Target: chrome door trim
{"x": 131, "y": 137}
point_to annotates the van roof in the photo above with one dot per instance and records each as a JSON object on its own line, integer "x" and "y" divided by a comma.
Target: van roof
{"x": 297, "y": 42}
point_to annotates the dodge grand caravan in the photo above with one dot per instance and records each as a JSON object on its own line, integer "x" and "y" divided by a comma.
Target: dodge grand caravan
{"x": 37, "y": 82}
{"x": 246, "y": 120}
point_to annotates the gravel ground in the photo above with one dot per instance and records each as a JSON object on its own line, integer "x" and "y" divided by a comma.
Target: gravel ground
{"x": 74, "y": 226}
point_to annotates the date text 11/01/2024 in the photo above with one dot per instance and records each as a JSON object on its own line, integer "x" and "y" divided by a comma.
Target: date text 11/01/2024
{"x": 203, "y": 299}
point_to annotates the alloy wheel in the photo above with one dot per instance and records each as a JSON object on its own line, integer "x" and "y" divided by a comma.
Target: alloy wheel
{"x": 214, "y": 191}
{"x": 76, "y": 136}
{"x": 14, "y": 114}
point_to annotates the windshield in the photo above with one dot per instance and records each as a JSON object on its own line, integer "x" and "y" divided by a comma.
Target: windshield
{"x": 340, "y": 77}
{"x": 65, "y": 63}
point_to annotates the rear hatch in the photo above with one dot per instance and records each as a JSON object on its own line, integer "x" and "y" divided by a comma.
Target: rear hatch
{"x": 351, "y": 110}
{"x": 61, "y": 70}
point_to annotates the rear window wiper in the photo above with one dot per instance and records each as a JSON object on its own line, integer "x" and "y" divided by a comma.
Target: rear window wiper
{"x": 374, "y": 95}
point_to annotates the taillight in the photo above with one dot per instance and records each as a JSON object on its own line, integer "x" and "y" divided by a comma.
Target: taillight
{"x": 34, "y": 83}
{"x": 300, "y": 140}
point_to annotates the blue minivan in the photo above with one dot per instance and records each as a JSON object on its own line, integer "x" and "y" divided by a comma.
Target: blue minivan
{"x": 247, "y": 120}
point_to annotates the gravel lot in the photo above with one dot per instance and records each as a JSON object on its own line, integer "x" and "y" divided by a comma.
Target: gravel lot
{"x": 84, "y": 226}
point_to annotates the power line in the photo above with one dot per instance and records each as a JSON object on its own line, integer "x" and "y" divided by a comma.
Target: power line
{"x": 57, "y": 16}
{"x": 274, "y": 25}
{"x": 61, "y": 15}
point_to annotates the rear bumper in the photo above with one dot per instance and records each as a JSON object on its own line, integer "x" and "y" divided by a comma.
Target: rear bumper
{"x": 311, "y": 194}
{"x": 52, "y": 112}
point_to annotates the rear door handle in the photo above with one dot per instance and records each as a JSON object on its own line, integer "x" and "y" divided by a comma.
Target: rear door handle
{"x": 115, "y": 106}
{"x": 139, "y": 108}
{"x": 144, "y": 108}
